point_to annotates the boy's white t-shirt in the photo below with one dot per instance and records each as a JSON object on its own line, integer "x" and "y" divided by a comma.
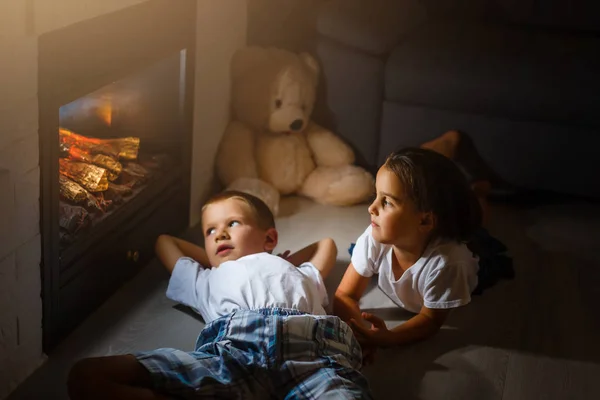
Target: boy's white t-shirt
{"x": 444, "y": 277}
{"x": 251, "y": 282}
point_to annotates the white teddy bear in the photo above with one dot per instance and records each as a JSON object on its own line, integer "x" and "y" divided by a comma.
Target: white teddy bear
{"x": 272, "y": 138}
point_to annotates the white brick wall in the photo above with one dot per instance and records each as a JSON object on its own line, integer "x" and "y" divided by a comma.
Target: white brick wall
{"x": 18, "y": 68}
{"x": 7, "y": 205}
{"x": 20, "y": 278}
{"x": 21, "y": 22}
{"x": 27, "y": 205}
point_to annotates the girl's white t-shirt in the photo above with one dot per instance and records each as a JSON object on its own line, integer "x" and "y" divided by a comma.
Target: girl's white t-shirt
{"x": 444, "y": 277}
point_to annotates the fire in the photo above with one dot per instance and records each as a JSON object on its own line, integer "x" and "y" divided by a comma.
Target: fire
{"x": 105, "y": 111}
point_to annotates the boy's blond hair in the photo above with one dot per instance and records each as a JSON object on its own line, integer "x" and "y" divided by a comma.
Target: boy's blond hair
{"x": 260, "y": 211}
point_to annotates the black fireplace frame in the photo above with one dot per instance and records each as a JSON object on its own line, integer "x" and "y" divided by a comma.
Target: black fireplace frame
{"x": 137, "y": 37}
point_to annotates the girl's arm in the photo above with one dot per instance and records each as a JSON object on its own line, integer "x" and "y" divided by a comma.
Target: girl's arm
{"x": 348, "y": 294}
{"x": 321, "y": 254}
{"x": 169, "y": 249}
{"x": 421, "y": 326}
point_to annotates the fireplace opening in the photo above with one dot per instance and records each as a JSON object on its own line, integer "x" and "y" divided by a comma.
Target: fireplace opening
{"x": 115, "y": 124}
{"x": 117, "y": 142}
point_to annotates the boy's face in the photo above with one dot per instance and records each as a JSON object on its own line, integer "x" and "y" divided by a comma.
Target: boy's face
{"x": 395, "y": 219}
{"x": 231, "y": 232}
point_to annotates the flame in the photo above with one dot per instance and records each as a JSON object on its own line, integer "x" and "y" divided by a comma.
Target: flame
{"x": 79, "y": 155}
{"x": 104, "y": 111}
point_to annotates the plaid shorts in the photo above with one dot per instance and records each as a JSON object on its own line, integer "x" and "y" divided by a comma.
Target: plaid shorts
{"x": 264, "y": 354}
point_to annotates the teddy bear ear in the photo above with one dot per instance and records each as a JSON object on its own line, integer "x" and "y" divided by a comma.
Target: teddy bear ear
{"x": 246, "y": 59}
{"x": 311, "y": 63}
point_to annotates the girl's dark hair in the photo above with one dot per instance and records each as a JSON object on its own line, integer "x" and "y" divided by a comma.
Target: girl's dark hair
{"x": 436, "y": 184}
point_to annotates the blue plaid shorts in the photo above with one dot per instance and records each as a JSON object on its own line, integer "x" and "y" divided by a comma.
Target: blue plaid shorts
{"x": 264, "y": 354}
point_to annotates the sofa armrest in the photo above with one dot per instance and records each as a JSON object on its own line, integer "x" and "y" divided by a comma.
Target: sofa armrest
{"x": 374, "y": 27}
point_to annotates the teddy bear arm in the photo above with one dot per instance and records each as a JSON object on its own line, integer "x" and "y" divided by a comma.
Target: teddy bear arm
{"x": 340, "y": 186}
{"x": 328, "y": 149}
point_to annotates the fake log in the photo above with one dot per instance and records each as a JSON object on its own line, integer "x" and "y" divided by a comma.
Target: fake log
{"x": 122, "y": 190}
{"x": 122, "y": 148}
{"x": 91, "y": 177}
{"x": 107, "y": 162}
{"x": 112, "y": 195}
{"x": 94, "y": 203}
{"x": 71, "y": 190}
{"x": 138, "y": 169}
{"x": 132, "y": 177}
{"x": 73, "y": 218}
{"x": 103, "y": 203}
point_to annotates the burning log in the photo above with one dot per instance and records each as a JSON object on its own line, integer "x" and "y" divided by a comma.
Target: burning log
{"x": 71, "y": 190}
{"x": 138, "y": 169}
{"x": 132, "y": 176}
{"x": 113, "y": 196}
{"x": 104, "y": 203}
{"x": 94, "y": 203}
{"x": 128, "y": 147}
{"x": 121, "y": 148}
{"x": 107, "y": 162}
{"x": 91, "y": 177}
{"x": 73, "y": 218}
{"x": 121, "y": 190}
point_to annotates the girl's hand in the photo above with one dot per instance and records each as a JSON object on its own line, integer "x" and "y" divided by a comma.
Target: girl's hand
{"x": 377, "y": 335}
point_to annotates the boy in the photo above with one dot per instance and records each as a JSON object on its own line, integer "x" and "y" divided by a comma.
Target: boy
{"x": 266, "y": 333}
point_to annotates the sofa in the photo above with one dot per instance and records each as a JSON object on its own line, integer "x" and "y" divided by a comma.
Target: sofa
{"x": 521, "y": 78}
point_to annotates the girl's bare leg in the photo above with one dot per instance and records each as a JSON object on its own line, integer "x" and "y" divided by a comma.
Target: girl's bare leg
{"x": 447, "y": 145}
{"x": 114, "y": 377}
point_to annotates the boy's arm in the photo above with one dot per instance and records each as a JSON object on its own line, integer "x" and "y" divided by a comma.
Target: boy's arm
{"x": 321, "y": 254}
{"x": 169, "y": 249}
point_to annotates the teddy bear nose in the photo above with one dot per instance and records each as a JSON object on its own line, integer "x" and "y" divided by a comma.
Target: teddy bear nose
{"x": 296, "y": 125}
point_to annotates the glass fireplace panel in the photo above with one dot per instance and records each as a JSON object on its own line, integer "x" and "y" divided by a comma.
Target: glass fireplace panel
{"x": 116, "y": 142}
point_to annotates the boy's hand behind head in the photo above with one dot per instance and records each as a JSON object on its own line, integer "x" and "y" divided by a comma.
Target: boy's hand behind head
{"x": 231, "y": 231}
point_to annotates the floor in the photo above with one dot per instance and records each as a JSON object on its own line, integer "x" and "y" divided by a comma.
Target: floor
{"x": 535, "y": 337}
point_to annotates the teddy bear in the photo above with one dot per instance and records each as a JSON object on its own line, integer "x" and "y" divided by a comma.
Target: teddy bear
{"x": 271, "y": 139}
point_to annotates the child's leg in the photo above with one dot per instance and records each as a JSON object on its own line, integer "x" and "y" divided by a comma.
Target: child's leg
{"x": 448, "y": 145}
{"x": 320, "y": 360}
{"x": 114, "y": 377}
{"x": 332, "y": 382}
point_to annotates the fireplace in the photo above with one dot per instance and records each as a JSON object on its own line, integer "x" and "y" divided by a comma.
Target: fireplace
{"x": 115, "y": 102}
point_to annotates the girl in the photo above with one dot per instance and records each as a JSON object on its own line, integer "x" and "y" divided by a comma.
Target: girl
{"x": 423, "y": 214}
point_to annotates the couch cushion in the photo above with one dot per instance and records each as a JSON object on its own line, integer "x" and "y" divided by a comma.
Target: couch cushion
{"x": 497, "y": 70}
{"x": 514, "y": 11}
{"x": 528, "y": 154}
{"x": 372, "y": 27}
{"x": 573, "y": 14}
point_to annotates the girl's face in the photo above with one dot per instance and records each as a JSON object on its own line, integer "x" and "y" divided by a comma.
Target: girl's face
{"x": 395, "y": 219}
